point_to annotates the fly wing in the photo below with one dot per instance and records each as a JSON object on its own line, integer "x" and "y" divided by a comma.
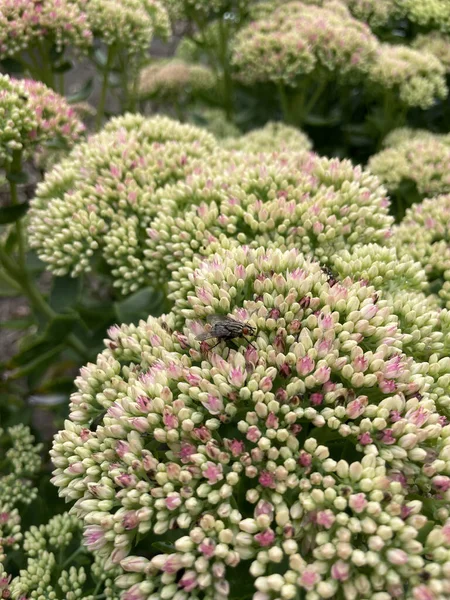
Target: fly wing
{"x": 213, "y": 319}
{"x": 206, "y": 335}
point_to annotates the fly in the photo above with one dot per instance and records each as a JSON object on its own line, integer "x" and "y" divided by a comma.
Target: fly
{"x": 226, "y": 329}
{"x": 97, "y": 420}
{"x": 332, "y": 279}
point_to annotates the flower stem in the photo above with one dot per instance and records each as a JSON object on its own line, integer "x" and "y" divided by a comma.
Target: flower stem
{"x": 67, "y": 562}
{"x": 37, "y": 301}
{"x": 226, "y": 72}
{"x": 287, "y": 116}
{"x": 104, "y": 90}
{"x": 16, "y": 167}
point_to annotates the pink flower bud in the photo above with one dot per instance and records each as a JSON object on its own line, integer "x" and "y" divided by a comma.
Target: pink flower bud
{"x": 340, "y": 571}
{"x": 305, "y": 365}
{"x": 266, "y": 479}
{"x": 265, "y": 538}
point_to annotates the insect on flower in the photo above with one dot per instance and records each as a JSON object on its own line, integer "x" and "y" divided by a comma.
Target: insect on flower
{"x": 97, "y": 420}
{"x": 332, "y": 279}
{"x": 225, "y": 328}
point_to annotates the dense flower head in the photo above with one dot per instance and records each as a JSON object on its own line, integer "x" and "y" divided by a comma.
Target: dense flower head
{"x": 18, "y": 121}
{"x": 273, "y": 137}
{"x": 312, "y": 459}
{"x": 31, "y": 115}
{"x": 45, "y": 577}
{"x": 402, "y": 284}
{"x": 424, "y": 233}
{"x": 428, "y": 13}
{"x": 24, "y": 22}
{"x": 57, "y": 120}
{"x": 175, "y": 79}
{"x": 298, "y": 39}
{"x": 398, "y": 136}
{"x": 383, "y": 267}
{"x": 20, "y": 463}
{"x": 377, "y": 14}
{"x": 284, "y": 200}
{"x": 421, "y": 160}
{"x": 436, "y": 43}
{"x": 102, "y": 197}
{"x": 128, "y": 24}
{"x": 179, "y": 9}
{"x": 417, "y": 78}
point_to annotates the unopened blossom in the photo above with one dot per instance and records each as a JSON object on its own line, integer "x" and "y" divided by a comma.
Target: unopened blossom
{"x": 31, "y": 116}
{"x": 270, "y": 138}
{"x": 175, "y": 80}
{"x": 323, "y": 497}
{"x": 428, "y": 13}
{"x": 298, "y": 39}
{"x": 424, "y": 233}
{"x": 376, "y": 14}
{"x": 416, "y": 167}
{"x": 284, "y": 200}
{"x": 417, "y": 78}
{"x": 129, "y": 24}
{"x": 23, "y": 24}
{"x": 45, "y": 547}
{"x": 436, "y": 43}
{"x": 102, "y": 197}
{"x": 20, "y": 465}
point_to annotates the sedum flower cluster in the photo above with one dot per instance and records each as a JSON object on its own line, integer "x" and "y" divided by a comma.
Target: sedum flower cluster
{"x": 49, "y": 549}
{"x": 312, "y": 460}
{"x": 298, "y": 39}
{"x": 436, "y": 43}
{"x": 100, "y": 200}
{"x": 416, "y": 157}
{"x": 273, "y": 137}
{"x": 424, "y": 234}
{"x": 31, "y": 116}
{"x": 20, "y": 463}
{"x": 175, "y": 80}
{"x": 376, "y": 14}
{"x": 23, "y": 23}
{"x": 129, "y": 23}
{"x": 290, "y": 200}
{"x": 416, "y": 77}
{"x": 427, "y": 13}
{"x": 136, "y": 195}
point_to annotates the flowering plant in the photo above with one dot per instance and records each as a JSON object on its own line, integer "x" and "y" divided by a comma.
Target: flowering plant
{"x": 312, "y": 458}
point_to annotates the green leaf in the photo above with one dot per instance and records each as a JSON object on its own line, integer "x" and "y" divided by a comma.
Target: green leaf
{"x": 11, "y": 240}
{"x": 57, "y": 143}
{"x": 45, "y": 344}
{"x": 140, "y": 305}
{"x": 17, "y": 177}
{"x": 38, "y": 359}
{"x": 17, "y": 323}
{"x": 114, "y": 79}
{"x": 7, "y": 290}
{"x": 10, "y": 214}
{"x": 100, "y": 57}
{"x": 34, "y": 263}
{"x": 65, "y": 292}
{"x": 83, "y": 93}
{"x": 11, "y": 65}
{"x": 97, "y": 315}
{"x": 164, "y": 547}
{"x": 62, "y": 67}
